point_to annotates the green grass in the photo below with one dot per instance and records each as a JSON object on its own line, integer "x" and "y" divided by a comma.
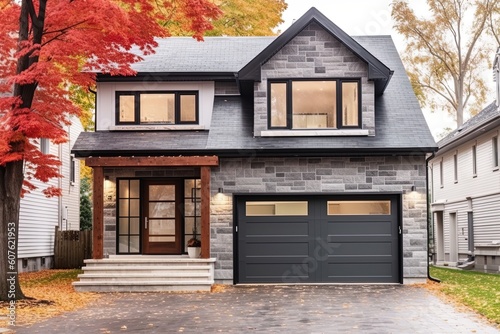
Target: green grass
{"x": 479, "y": 291}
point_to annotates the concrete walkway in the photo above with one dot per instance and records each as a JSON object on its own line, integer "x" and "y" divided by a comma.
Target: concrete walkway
{"x": 271, "y": 309}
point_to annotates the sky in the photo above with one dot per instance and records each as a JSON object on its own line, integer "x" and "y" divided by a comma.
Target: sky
{"x": 365, "y": 17}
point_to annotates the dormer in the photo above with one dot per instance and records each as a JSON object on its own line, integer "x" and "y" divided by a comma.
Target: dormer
{"x": 315, "y": 80}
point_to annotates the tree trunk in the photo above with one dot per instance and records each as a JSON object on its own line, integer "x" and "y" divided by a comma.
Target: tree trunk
{"x": 11, "y": 181}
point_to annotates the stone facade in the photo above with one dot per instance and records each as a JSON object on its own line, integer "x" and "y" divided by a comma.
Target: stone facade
{"x": 314, "y": 53}
{"x": 394, "y": 174}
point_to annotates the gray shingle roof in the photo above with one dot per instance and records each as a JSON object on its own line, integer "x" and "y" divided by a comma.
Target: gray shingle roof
{"x": 486, "y": 115}
{"x": 400, "y": 124}
{"x": 215, "y": 54}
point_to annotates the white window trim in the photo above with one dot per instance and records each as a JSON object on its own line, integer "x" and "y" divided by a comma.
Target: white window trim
{"x": 155, "y": 127}
{"x": 313, "y": 133}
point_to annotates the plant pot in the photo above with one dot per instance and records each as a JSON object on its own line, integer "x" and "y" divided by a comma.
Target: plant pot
{"x": 194, "y": 252}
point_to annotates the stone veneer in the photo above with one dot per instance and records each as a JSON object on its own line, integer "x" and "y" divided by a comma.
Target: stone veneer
{"x": 314, "y": 53}
{"x": 322, "y": 175}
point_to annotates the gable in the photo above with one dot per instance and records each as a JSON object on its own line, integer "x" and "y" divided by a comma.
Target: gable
{"x": 377, "y": 71}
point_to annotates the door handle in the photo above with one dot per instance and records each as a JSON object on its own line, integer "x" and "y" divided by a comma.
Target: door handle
{"x": 146, "y": 222}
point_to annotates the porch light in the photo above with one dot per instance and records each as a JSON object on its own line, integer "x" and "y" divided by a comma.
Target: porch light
{"x": 220, "y": 191}
{"x": 413, "y": 188}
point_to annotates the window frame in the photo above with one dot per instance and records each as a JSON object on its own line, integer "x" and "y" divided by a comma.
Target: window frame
{"x": 474, "y": 160}
{"x": 441, "y": 174}
{"x": 44, "y": 145}
{"x": 455, "y": 167}
{"x": 495, "y": 155}
{"x": 137, "y": 106}
{"x": 289, "y": 103}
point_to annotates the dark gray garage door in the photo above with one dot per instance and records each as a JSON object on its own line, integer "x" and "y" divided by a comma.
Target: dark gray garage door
{"x": 317, "y": 239}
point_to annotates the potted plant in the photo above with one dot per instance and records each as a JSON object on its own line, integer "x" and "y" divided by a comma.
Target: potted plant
{"x": 194, "y": 245}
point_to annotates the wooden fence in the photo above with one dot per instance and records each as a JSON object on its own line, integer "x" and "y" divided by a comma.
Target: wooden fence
{"x": 71, "y": 248}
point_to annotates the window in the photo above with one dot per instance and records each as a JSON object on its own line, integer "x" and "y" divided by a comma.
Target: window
{"x": 314, "y": 104}
{"x": 339, "y": 208}
{"x": 128, "y": 213}
{"x": 276, "y": 208}
{"x": 153, "y": 107}
{"x": 494, "y": 144}
{"x": 44, "y": 145}
{"x": 455, "y": 167}
{"x": 474, "y": 160}
{"x": 441, "y": 174}
{"x": 72, "y": 170}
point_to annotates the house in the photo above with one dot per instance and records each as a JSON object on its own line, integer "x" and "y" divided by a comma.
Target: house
{"x": 39, "y": 215}
{"x": 466, "y": 191}
{"x": 302, "y": 158}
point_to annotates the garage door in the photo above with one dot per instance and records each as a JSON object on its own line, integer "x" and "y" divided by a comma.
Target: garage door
{"x": 317, "y": 239}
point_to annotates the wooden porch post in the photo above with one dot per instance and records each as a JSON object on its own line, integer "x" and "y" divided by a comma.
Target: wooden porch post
{"x": 98, "y": 216}
{"x": 205, "y": 212}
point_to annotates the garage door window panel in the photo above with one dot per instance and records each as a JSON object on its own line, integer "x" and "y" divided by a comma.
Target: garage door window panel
{"x": 277, "y": 208}
{"x": 341, "y": 208}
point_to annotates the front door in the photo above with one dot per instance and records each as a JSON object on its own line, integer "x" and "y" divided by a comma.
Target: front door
{"x": 162, "y": 230}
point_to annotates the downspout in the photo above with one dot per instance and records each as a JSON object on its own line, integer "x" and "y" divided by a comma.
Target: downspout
{"x": 60, "y": 185}
{"x": 237, "y": 78}
{"x": 429, "y": 214}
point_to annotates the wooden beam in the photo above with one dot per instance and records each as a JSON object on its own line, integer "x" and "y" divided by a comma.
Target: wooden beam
{"x": 152, "y": 161}
{"x": 98, "y": 221}
{"x": 205, "y": 212}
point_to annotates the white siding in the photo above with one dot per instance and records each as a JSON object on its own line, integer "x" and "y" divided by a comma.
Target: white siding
{"x": 483, "y": 190}
{"x": 106, "y": 99}
{"x": 38, "y": 218}
{"x": 486, "y": 219}
{"x": 39, "y": 215}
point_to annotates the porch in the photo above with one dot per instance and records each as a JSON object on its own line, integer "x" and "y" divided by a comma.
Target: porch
{"x": 145, "y": 211}
{"x": 146, "y": 273}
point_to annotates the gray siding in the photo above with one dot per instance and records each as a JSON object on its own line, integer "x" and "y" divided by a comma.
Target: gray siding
{"x": 314, "y": 53}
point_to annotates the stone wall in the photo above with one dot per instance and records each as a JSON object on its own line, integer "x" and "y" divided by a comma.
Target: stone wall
{"x": 314, "y": 53}
{"x": 322, "y": 176}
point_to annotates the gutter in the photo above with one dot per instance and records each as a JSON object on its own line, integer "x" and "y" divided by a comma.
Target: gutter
{"x": 429, "y": 214}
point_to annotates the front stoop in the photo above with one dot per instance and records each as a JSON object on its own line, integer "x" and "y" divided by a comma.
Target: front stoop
{"x": 146, "y": 273}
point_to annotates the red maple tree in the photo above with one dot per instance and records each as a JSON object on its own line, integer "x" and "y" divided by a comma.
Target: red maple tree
{"x": 47, "y": 46}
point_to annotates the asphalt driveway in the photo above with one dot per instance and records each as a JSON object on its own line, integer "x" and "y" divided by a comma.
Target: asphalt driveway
{"x": 292, "y": 309}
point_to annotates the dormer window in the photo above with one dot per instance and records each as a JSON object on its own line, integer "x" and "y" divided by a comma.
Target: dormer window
{"x": 314, "y": 104}
{"x": 156, "y": 107}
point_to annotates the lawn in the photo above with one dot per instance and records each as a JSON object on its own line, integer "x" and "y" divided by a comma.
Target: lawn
{"x": 50, "y": 292}
{"x": 479, "y": 291}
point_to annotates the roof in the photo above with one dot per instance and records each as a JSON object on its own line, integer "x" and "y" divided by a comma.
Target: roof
{"x": 400, "y": 126}
{"x": 377, "y": 70}
{"x": 181, "y": 56}
{"x": 486, "y": 118}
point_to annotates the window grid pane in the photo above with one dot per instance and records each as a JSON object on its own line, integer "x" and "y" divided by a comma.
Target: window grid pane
{"x": 278, "y": 104}
{"x": 157, "y": 108}
{"x": 188, "y": 108}
{"x": 127, "y": 108}
{"x": 128, "y": 216}
{"x": 350, "y": 104}
{"x": 321, "y": 113}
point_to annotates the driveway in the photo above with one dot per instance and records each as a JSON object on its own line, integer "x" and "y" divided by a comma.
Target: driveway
{"x": 292, "y": 309}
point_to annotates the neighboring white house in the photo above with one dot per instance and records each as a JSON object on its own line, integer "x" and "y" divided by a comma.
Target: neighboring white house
{"x": 466, "y": 191}
{"x": 40, "y": 215}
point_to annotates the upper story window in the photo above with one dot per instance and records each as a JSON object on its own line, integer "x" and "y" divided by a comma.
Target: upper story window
{"x": 474, "y": 160}
{"x": 44, "y": 145}
{"x": 441, "y": 174}
{"x": 494, "y": 144}
{"x": 455, "y": 167}
{"x": 157, "y": 107}
{"x": 314, "y": 104}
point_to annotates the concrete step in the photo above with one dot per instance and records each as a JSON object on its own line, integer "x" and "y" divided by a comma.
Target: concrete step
{"x": 132, "y": 277}
{"x": 142, "y": 286}
{"x": 145, "y": 268}
{"x": 146, "y": 273}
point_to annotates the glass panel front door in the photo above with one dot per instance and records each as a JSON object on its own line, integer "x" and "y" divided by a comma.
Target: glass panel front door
{"x": 162, "y": 217}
